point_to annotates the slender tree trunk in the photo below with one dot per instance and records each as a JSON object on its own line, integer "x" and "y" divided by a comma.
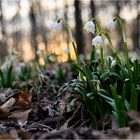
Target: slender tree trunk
{"x": 43, "y": 30}
{"x": 79, "y": 27}
{"x": 17, "y": 35}
{"x": 3, "y": 47}
{"x": 33, "y": 29}
{"x": 118, "y": 10}
{"x": 66, "y": 18}
{"x": 93, "y": 10}
{"x": 92, "y": 7}
{"x": 138, "y": 25}
{"x": 136, "y": 28}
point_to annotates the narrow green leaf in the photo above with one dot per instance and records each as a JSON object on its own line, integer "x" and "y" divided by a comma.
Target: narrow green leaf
{"x": 134, "y": 98}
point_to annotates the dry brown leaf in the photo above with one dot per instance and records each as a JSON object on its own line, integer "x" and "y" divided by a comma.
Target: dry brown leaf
{"x": 20, "y": 115}
{"x": 24, "y": 99}
{"x": 8, "y": 104}
{"x": 134, "y": 115}
{"x": 4, "y": 115}
{"x": 6, "y": 137}
{"x": 4, "y": 93}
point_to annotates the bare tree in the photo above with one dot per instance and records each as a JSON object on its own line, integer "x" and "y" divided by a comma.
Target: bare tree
{"x": 78, "y": 27}
{"x": 66, "y": 18}
{"x": 92, "y": 7}
{"x": 16, "y": 20}
{"x": 118, "y": 5}
{"x": 41, "y": 27}
{"x": 3, "y": 47}
{"x": 136, "y": 28}
{"x": 32, "y": 17}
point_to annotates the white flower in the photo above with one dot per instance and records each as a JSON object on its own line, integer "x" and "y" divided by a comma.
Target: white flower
{"x": 90, "y": 27}
{"x": 55, "y": 26}
{"x": 111, "y": 25}
{"x": 113, "y": 63}
{"x": 97, "y": 41}
{"x": 84, "y": 77}
{"x": 106, "y": 42}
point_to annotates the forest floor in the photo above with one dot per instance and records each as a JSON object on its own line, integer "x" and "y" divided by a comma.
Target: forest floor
{"x": 42, "y": 113}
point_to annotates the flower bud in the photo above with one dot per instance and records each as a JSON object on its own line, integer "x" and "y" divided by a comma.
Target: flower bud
{"x": 113, "y": 63}
{"x": 55, "y": 26}
{"x": 111, "y": 25}
{"x": 90, "y": 27}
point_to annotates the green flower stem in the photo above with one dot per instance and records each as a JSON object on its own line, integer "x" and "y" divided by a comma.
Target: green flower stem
{"x": 109, "y": 40}
{"x": 93, "y": 54}
{"x": 99, "y": 32}
{"x": 127, "y": 59}
{"x": 98, "y": 28}
{"x": 101, "y": 57}
{"x": 71, "y": 39}
{"x": 76, "y": 53}
{"x": 121, "y": 25}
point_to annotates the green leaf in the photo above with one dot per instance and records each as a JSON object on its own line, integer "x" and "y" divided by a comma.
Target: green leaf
{"x": 72, "y": 103}
{"x": 134, "y": 98}
{"x": 109, "y": 100}
{"x": 116, "y": 75}
{"x": 110, "y": 42}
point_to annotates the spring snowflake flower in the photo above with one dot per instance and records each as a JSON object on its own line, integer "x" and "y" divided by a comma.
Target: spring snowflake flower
{"x": 90, "y": 27}
{"x": 111, "y": 25}
{"x": 55, "y": 26}
{"x": 113, "y": 63}
{"x": 97, "y": 41}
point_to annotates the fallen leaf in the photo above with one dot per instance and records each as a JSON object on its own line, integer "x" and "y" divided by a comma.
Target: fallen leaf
{"x": 24, "y": 99}
{"x": 4, "y": 115}
{"x": 8, "y": 104}
{"x": 134, "y": 115}
{"x": 20, "y": 115}
{"x": 4, "y": 93}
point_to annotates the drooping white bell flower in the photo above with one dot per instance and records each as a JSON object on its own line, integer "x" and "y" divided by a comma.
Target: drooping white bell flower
{"x": 111, "y": 25}
{"x": 90, "y": 27}
{"x": 113, "y": 63}
{"x": 97, "y": 41}
{"x": 55, "y": 26}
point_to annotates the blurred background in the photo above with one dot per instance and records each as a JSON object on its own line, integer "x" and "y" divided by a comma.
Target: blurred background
{"x": 24, "y": 25}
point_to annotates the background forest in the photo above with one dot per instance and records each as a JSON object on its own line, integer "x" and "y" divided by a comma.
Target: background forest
{"x": 24, "y": 24}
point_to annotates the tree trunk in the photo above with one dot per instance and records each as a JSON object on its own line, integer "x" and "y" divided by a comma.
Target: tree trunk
{"x": 33, "y": 29}
{"x": 118, "y": 9}
{"x": 136, "y": 29}
{"x": 79, "y": 27}
{"x": 138, "y": 25}
{"x": 3, "y": 47}
{"x": 92, "y": 7}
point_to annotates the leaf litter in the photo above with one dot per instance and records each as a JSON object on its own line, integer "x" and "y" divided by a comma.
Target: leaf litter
{"x": 42, "y": 114}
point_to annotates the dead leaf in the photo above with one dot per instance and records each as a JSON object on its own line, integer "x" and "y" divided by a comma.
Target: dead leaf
{"x": 4, "y": 93}
{"x": 124, "y": 133}
{"x": 24, "y": 99}
{"x": 134, "y": 115}
{"x": 20, "y": 115}
{"x": 6, "y": 137}
{"x": 4, "y": 115}
{"x": 8, "y": 104}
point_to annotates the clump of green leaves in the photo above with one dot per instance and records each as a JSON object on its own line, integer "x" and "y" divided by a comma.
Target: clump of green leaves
{"x": 106, "y": 86}
{"x": 6, "y": 76}
{"x": 60, "y": 75}
{"x": 25, "y": 71}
